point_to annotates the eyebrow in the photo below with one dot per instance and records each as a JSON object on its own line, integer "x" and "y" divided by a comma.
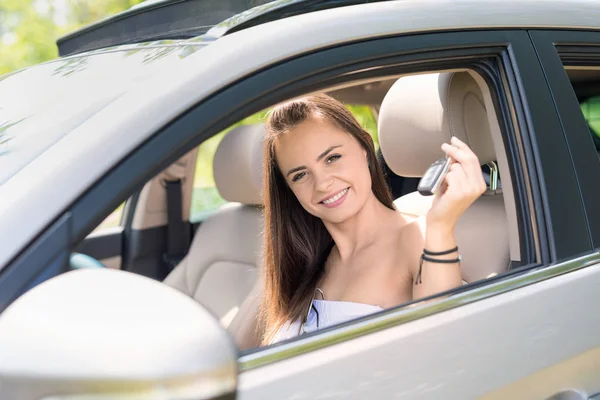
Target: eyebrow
{"x": 319, "y": 158}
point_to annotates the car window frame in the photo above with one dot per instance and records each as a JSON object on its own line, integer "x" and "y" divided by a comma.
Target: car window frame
{"x": 296, "y": 76}
{"x": 555, "y": 49}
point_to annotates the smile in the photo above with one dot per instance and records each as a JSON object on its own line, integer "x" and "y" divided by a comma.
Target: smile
{"x": 336, "y": 199}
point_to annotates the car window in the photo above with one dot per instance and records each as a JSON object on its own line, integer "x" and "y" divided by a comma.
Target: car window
{"x": 41, "y": 104}
{"x": 590, "y": 108}
{"x": 205, "y": 195}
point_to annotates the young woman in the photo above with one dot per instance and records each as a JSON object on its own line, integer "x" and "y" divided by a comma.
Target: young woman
{"x": 335, "y": 247}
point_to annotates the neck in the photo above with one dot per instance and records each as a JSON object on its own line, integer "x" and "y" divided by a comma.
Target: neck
{"x": 361, "y": 230}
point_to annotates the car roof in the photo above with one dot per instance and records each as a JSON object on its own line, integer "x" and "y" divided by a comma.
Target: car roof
{"x": 177, "y": 19}
{"x": 153, "y": 20}
{"x": 29, "y": 196}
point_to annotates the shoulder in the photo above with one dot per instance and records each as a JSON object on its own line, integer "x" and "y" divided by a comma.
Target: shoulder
{"x": 411, "y": 229}
{"x": 411, "y": 240}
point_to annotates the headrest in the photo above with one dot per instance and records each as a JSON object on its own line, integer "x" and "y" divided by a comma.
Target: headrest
{"x": 237, "y": 166}
{"x": 421, "y": 112}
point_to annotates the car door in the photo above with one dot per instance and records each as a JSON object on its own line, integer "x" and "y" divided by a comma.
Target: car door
{"x": 484, "y": 339}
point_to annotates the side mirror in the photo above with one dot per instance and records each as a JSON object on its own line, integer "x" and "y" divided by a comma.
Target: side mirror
{"x": 106, "y": 334}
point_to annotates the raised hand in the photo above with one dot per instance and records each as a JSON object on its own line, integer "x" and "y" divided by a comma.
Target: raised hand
{"x": 462, "y": 185}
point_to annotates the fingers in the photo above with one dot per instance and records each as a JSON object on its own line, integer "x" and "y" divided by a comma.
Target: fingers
{"x": 456, "y": 179}
{"x": 460, "y": 152}
{"x": 462, "y": 184}
{"x": 469, "y": 163}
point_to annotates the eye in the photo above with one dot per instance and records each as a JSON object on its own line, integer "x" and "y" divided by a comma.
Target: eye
{"x": 298, "y": 176}
{"x": 333, "y": 158}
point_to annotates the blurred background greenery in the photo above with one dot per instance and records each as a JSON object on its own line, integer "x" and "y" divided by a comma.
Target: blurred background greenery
{"x": 29, "y": 28}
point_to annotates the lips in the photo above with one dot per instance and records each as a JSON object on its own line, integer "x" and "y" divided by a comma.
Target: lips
{"x": 335, "y": 199}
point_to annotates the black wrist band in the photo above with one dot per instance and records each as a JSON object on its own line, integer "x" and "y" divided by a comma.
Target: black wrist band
{"x": 437, "y": 260}
{"x": 434, "y": 260}
{"x": 439, "y": 253}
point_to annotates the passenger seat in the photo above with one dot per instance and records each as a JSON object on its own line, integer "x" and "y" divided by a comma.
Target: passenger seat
{"x": 222, "y": 265}
{"x": 417, "y": 115}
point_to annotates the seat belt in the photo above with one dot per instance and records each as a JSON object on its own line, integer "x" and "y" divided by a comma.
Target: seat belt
{"x": 178, "y": 236}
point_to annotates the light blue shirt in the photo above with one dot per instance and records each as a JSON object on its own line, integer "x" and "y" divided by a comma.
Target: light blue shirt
{"x": 325, "y": 313}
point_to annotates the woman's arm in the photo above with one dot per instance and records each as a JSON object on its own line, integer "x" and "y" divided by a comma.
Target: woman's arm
{"x": 461, "y": 187}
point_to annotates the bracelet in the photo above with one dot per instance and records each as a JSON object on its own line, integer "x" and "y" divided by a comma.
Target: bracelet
{"x": 437, "y": 260}
{"x": 439, "y": 253}
{"x": 424, "y": 257}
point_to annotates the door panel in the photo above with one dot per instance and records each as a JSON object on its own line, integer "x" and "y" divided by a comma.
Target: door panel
{"x": 490, "y": 349}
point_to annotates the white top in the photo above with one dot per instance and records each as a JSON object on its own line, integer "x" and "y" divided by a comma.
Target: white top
{"x": 325, "y": 313}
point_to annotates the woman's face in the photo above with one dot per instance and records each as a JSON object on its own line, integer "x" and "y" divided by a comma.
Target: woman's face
{"x": 326, "y": 168}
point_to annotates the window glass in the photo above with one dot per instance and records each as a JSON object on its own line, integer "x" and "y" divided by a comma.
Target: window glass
{"x": 205, "y": 196}
{"x": 591, "y": 112}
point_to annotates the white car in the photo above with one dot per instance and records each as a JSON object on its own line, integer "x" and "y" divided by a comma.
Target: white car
{"x": 163, "y": 305}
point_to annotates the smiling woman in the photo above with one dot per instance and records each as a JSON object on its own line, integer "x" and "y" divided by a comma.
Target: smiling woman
{"x": 329, "y": 212}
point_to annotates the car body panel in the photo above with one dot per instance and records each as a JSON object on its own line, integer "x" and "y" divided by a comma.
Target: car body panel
{"x": 464, "y": 353}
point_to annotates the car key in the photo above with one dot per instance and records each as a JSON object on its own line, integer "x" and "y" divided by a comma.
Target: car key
{"x": 433, "y": 177}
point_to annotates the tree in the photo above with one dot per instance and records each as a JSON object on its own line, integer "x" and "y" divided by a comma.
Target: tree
{"x": 29, "y": 28}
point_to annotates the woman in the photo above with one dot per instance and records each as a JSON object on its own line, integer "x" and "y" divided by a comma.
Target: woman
{"x": 329, "y": 215}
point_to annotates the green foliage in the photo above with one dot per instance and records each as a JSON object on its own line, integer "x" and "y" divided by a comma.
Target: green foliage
{"x": 29, "y": 28}
{"x": 591, "y": 112}
{"x": 365, "y": 117}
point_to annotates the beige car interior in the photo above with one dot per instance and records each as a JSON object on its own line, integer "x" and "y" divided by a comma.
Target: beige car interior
{"x": 151, "y": 211}
{"x": 222, "y": 264}
{"x": 417, "y": 113}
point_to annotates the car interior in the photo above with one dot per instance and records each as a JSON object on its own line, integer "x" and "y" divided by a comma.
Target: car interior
{"x": 415, "y": 114}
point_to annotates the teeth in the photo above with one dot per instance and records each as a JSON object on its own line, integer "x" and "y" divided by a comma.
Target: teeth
{"x": 336, "y": 197}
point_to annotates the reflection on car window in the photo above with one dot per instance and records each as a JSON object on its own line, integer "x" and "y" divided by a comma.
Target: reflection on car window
{"x": 41, "y": 104}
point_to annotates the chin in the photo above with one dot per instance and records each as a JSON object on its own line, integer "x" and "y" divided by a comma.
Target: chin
{"x": 338, "y": 216}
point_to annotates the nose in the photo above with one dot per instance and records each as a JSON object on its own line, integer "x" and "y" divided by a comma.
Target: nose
{"x": 323, "y": 182}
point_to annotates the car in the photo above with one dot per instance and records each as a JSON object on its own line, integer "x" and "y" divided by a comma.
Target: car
{"x": 163, "y": 305}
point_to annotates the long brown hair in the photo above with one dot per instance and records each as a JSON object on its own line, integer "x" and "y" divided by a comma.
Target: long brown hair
{"x": 296, "y": 243}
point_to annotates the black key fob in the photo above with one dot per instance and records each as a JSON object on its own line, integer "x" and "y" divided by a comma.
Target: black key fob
{"x": 431, "y": 181}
